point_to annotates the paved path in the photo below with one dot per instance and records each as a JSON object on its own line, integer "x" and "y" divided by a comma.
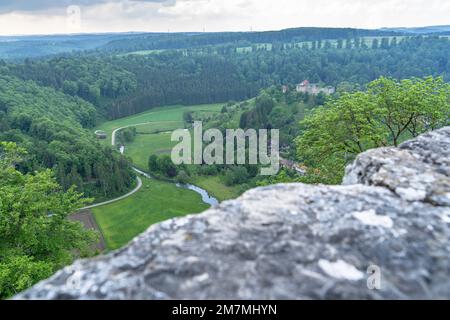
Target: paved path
{"x": 139, "y": 185}
{"x": 113, "y": 134}
{"x": 139, "y": 181}
{"x": 85, "y": 216}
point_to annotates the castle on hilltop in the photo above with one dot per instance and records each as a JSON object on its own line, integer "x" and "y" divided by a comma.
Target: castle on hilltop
{"x": 313, "y": 88}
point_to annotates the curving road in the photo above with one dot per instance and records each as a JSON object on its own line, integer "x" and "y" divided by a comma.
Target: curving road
{"x": 139, "y": 185}
{"x": 206, "y": 198}
{"x": 139, "y": 181}
{"x": 113, "y": 134}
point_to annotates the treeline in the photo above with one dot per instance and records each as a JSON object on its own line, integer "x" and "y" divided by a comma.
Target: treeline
{"x": 193, "y": 78}
{"x": 192, "y": 40}
{"x": 406, "y": 58}
{"x": 246, "y": 176}
{"x": 172, "y": 78}
{"x": 51, "y": 127}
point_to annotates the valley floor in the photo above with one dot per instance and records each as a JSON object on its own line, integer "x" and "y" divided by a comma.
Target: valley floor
{"x": 157, "y": 200}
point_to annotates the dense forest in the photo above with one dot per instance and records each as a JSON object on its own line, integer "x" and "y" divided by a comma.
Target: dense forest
{"x": 91, "y": 78}
{"x": 121, "y": 85}
{"x": 46, "y": 104}
{"x": 51, "y": 126}
{"x": 202, "y": 77}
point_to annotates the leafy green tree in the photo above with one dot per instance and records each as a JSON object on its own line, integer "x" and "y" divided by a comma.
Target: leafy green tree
{"x": 188, "y": 117}
{"x": 182, "y": 177}
{"x": 384, "y": 43}
{"x": 166, "y": 166}
{"x": 36, "y": 237}
{"x": 236, "y": 175}
{"x": 127, "y": 135}
{"x": 387, "y": 114}
{"x": 19, "y": 272}
{"x": 412, "y": 106}
{"x": 153, "y": 163}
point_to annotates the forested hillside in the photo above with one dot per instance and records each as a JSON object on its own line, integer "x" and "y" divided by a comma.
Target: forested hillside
{"x": 51, "y": 127}
{"x": 72, "y": 92}
{"x": 127, "y": 84}
{"x": 36, "y": 238}
{"x": 95, "y": 79}
{"x": 206, "y": 76}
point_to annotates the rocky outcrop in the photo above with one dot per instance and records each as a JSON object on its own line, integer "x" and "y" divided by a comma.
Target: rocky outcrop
{"x": 294, "y": 241}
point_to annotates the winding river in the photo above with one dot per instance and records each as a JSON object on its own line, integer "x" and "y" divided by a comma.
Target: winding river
{"x": 206, "y": 197}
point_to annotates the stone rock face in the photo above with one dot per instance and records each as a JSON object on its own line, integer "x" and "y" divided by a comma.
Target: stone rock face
{"x": 418, "y": 170}
{"x": 294, "y": 241}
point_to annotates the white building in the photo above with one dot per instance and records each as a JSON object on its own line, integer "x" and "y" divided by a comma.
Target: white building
{"x": 313, "y": 88}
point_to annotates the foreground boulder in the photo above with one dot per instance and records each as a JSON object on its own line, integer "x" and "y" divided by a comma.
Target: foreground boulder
{"x": 294, "y": 241}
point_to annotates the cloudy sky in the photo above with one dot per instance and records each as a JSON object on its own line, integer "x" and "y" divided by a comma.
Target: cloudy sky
{"x": 74, "y": 16}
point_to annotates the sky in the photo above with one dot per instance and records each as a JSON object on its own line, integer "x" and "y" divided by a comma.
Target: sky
{"x": 19, "y": 17}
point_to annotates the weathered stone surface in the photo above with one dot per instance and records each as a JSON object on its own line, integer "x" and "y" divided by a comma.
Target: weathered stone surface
{"x": 418, "y": 170}
{"x": 293, "y": 241}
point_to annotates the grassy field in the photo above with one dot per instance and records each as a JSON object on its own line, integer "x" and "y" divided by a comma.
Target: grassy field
{"x": 217, "y": 188}
{"x": 155, "y": 202}
{"x": 161, "y": 118}
{"x": 147, "y": 142}
{"x": 145, "y": 145}
{"x": 154, "y": 137}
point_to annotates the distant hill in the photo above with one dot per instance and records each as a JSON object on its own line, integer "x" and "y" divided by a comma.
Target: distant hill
{"x": 184, "y": 40}
{"x": 21, "y": 47}
{"x": 420, "y": 30}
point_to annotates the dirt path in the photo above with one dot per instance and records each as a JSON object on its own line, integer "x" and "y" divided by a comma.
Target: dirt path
{"x": 87, "y": 219}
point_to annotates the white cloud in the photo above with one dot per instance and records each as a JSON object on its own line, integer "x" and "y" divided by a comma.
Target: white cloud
{"x": 221, "y": 15}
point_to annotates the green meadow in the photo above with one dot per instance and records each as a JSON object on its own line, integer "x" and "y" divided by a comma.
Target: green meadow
{"x": 161, "y": 118}
{"x": 156, "y": 201}
{"x": 216, "y": 187}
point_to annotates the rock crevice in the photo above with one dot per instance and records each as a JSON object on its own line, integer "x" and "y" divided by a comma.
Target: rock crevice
{"x": 294, "y": 241}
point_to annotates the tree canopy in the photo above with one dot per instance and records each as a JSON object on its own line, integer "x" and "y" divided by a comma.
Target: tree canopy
{"x": 53, "y": 128}
{"x": 388, "y": 113}
{"x": 36, "y": 238}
